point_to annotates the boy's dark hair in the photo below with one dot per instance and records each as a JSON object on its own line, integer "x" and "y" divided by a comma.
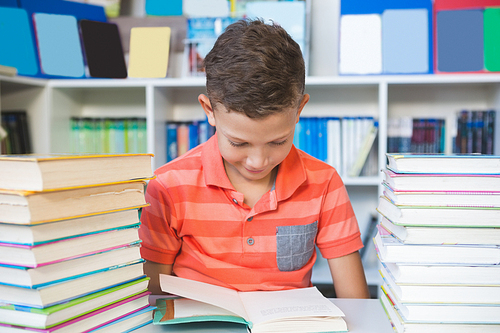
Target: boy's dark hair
{"x": 255, "y": 68}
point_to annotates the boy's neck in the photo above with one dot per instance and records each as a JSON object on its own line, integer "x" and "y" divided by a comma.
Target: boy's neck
{"x": 252, "y": 190}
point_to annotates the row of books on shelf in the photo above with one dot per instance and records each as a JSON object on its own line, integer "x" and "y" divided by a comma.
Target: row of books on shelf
{"x": 438, "y": 242}
{"x": 348, "y": 144}
{"x": 69, "y": 248}
{"x": 108, "y": 135}
{"x": 416, "y": 135}
{"x": 475, "y": 132}
{"x": 16, "y": 138}
{"x": 185, "y": 135}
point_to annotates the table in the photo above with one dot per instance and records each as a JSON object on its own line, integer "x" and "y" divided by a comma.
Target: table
{"x": 361, "y": 315}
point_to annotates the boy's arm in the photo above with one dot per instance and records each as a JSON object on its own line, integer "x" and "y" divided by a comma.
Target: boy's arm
{"x": 153, "y": 270}
{"x": 349, "y": 276}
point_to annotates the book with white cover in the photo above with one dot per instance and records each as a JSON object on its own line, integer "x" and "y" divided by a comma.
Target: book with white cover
{"x": 442, "y": 293}
{"x": 449, "y": 216}
{"x": 390, "y": 249}
{"x": 441, "y": 182}
{"x": 442, "y": 235}
{"x": 444, "y": 164}
{"x": 442, "y": 198}
{"x": 68, "y": 269}
{"x": 444, "y": 274}
{"x": 402, "y": 325}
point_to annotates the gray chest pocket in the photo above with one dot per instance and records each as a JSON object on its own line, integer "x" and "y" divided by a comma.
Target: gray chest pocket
{"x": 295, "y": 245}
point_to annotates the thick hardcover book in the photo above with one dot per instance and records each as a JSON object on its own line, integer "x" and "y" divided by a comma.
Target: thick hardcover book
{"x": 51, "y": 171}
{"x": 390, "y": 249}
{"x": 27, "y": 207}
{"x": 71, "y": 289}
{"x": 297, "y": 310}
{"x": 36, "y": 234}
{"x": 403, "y": 325}
{"x": 442, "y": 198}
{"x": 444, "y": 164}
{"x": 441, "y": 182}
{"x": 444, "y": 274}
{"x": 49, "y": 253}
{"x": 35, "y": 277}
{"x": 458, "y": 313}
{"x": 445, "y": 215}
{"x": 445, "y": 235}
{"x": 59, "y": 313}
{"x": 92, "y": 320}
{"x": 442, "y": 293}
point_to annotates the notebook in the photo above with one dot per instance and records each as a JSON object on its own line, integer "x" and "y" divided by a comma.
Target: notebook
{"x": 103, "y": 49}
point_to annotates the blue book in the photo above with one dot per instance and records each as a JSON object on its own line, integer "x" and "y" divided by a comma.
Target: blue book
{"x": 194, "y": 138}
{"x": 171, "y": 141}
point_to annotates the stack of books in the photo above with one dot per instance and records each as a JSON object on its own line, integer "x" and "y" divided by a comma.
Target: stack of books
{"x": 69, "y": 245}
{"x": 439, "y": 243}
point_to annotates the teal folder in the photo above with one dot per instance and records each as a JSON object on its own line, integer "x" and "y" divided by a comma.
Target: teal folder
{"x": 16, "y": 41}
{"x": 164, "y": 8}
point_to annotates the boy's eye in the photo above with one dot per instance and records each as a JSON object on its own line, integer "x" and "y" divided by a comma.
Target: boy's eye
{"x": 234, "y": 144}
{"x": 279, "y": 143}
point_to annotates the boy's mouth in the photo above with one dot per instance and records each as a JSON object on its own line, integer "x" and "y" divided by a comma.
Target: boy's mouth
{"x": 254, "y": 171}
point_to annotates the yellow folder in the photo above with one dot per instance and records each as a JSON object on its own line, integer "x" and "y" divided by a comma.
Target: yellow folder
{"x": 149, "y": 48}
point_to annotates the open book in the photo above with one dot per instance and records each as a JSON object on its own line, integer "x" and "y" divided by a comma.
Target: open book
{"x": 296, "y": 310}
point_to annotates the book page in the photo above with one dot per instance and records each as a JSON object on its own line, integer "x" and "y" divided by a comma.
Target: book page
{"x": 219, "y": 296}
{"x": 263, "y": 306}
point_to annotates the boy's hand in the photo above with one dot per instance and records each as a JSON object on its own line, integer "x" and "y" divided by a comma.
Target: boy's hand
{"x": 349, "y": 276}
{"x": 153, "y": 270}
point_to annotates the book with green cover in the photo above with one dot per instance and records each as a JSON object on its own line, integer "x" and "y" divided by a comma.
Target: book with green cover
{"x": 59, "y": 313}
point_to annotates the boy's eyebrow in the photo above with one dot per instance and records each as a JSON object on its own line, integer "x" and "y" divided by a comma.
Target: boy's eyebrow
{"x": 229, "y": 136}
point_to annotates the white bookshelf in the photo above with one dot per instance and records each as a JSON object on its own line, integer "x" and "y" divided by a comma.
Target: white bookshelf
{"x": 51, "y": 103}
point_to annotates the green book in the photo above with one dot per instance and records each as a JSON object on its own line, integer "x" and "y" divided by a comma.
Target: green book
{"x": 53, "y": 315}
{"x": 492, "y": 39}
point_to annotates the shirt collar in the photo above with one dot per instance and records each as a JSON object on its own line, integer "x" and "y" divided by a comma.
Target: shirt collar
{"x": 291, "y": 174}
{"x": 213, "y": 165}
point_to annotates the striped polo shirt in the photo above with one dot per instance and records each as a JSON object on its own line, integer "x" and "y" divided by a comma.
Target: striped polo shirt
{"x": 198, "y": 222}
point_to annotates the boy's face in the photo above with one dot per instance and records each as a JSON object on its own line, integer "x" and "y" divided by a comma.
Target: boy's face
{"x": 252, "y": 148}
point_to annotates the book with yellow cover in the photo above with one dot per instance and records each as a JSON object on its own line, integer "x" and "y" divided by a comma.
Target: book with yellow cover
{"x": 33, "y": 172}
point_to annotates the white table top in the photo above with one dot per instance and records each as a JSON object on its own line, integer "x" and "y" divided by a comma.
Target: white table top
{"x": 361, "y": 315}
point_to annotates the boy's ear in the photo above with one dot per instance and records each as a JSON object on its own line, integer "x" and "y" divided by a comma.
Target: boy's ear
{"x": 303, "y": 103}
{"x": 207, "y": 107}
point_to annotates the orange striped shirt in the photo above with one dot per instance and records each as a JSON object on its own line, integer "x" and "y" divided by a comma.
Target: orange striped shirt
{"x": 198, "y": 222}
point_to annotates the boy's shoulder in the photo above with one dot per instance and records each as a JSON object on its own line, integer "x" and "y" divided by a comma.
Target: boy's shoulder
{"x": 312, "y": 164}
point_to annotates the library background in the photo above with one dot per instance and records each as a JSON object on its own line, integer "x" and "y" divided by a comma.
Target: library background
{"x": 111, "y": 76}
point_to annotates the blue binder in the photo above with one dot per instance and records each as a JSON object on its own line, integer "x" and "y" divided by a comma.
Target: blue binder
{"x": 17, "y": 42}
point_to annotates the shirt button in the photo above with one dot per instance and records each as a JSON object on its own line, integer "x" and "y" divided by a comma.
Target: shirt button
{"x": 235, "y": 201}
{"x": 250, "y": 219}
{"x": 250, "y": 241}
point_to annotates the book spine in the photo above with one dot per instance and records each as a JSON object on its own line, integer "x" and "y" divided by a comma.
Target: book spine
{"x": 171, "y": 141}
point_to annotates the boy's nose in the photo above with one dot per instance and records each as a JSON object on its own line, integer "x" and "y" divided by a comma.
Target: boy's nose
{"x": 257, "y": 160}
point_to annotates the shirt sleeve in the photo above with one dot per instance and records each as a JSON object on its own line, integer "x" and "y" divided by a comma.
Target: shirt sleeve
{"x": 338, "y": 233}
{"x": 160, "y": 242}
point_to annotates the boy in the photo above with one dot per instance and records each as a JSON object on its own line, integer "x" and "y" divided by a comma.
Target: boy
{"x": 245, "y": 209}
